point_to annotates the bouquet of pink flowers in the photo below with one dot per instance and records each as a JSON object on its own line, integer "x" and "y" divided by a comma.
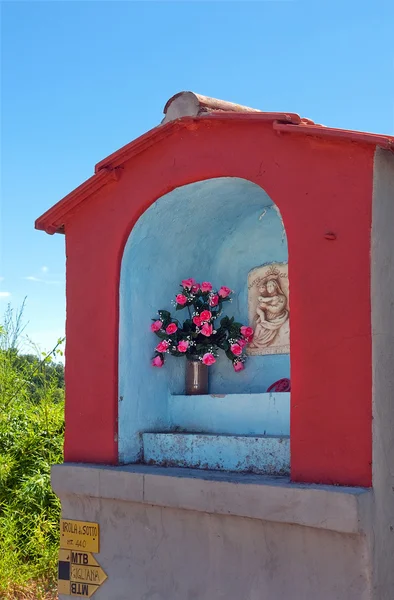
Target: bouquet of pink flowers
{"x": 199, "y": 337}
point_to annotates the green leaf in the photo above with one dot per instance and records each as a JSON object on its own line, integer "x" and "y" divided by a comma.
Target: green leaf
{"x": 176, "y": 353}
{"x": 230, "y": 355}
{"x": 198, "y": 304}
{"x": 220, "y": 333}
{"x": 201, "y": 347}
{"x": 224, "y": 345}
{"x": 162, "y": 335}
{"x": 164, "y": 314}
{"x": 188, "y": 326}
{"x": 181, "y": 306}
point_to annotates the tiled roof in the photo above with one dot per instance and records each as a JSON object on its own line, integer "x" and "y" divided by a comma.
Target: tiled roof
{"x": 179, "y": 110}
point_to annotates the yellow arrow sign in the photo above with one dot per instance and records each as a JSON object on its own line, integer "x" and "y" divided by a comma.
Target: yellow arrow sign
{"x": 79, "y": 573}
{"x": 79, "y": 535}
{"x": 72, "y": 588}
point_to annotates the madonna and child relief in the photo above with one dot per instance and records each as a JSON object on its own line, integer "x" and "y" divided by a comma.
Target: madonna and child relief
{"x": 268, "y": 303}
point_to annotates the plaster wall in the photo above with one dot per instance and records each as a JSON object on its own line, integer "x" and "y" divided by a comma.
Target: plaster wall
{"x": 382, "y": 295}
{"x": 320, "y": 185}
{"x": 157, "y": 553}
{"x": 216, "y": 230}
{"x": 234, "y": 414}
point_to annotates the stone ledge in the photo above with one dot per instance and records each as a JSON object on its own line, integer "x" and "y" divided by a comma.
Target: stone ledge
{"x": 274, "y": 499}
{"x": 264, "y": 455}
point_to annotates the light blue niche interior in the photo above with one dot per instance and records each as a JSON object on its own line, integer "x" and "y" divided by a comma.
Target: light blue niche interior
{"x": 215, "y": 230}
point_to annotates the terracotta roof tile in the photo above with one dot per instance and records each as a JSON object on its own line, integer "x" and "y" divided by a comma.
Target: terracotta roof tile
{"x": 179, "y": 110}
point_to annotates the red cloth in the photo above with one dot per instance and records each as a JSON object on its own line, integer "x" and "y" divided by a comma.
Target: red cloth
{"x": 282, "y": 385}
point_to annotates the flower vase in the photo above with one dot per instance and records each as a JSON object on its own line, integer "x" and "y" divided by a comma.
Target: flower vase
{"x": 196, "y": 378}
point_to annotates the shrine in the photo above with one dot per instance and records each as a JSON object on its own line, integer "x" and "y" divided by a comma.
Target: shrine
{"x": 253, "y": 249}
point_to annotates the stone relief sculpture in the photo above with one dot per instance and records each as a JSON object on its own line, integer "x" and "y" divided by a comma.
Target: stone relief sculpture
{"x": 268, "y": 303}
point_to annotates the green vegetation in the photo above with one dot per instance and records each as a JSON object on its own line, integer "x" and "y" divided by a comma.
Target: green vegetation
{"x": 31, "y": 440}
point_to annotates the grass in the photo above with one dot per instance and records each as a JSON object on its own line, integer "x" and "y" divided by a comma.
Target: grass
{"x": 31, "y": 440}
{"x": 33, "y": 590}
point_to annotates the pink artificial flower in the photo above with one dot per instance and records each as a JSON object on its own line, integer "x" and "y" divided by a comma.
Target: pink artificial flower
{"x": 214, "y": 300}
{"x": 183, "y": 346}
{"x": 247, "y": 332}
{"x": 238, "y": 366}
{"x": 181, "y": 299}
{"x": 208, "y": 359}
{"x": 207, "y": 329}
{"x": 163, "y": 346}
{"x": 197, "y": 320}
{"x": 241, "y": 342}
{"x": 157, "y": 361}
{"x": 171, "y": 328}
{"x": 188, "y": 283}
{"x": 236, "y": 349}
{"x": 205, "y": 316}
{"x": 195, "y": 288}
{"x": 224, "y": 291}
{"x": 206, "y": 286}
{"x": 156, "y": 326}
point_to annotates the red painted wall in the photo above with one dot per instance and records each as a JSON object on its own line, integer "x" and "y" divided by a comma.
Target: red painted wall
{"x": 319, "y": 186}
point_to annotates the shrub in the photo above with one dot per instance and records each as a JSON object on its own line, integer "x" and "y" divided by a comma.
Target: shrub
{"x": 31, "y": 440}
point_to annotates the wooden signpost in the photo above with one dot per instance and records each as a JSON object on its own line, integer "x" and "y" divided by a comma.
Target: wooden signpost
{"x": 79, "y": 573}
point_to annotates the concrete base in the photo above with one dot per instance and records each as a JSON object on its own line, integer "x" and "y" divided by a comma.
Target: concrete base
{"x": 178, "y": 534}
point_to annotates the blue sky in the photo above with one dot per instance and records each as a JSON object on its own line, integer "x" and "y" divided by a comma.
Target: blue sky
{"x": 81, "y": 79}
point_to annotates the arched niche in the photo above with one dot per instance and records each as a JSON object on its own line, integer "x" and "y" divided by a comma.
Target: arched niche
{"x": 217, "y": 230}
